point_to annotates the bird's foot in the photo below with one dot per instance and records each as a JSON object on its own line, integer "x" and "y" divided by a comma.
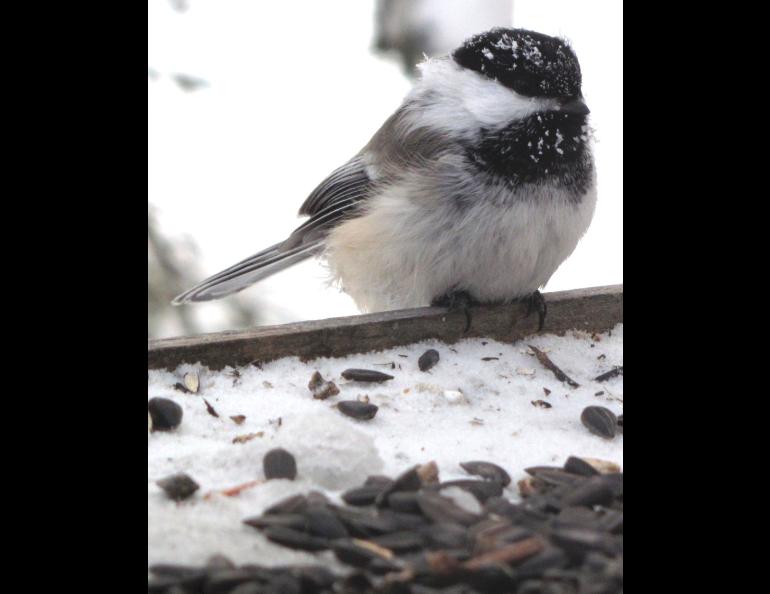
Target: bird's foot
{"x": 456, "y": 301}
{"x": 537, "y": 303}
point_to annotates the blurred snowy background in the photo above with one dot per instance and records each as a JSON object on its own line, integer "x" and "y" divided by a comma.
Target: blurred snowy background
{"x": 251, "y": 104}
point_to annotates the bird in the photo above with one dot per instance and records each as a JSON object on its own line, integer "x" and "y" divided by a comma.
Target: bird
{"x": 473, "y": 191}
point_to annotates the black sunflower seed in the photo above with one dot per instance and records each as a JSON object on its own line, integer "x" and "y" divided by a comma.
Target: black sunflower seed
{"x": 295, "y": 539}
{"x": 428, "y": 359}
{"x": 611, "y": 520}
{"x": 410, "y": 480}
{"x": 579, "y": 466}
{"x": 596, "y": 490}
{"x": 172, "y": 570}
{"x": 442, "y": 509}
{"x": 554, "y": 475}
{"x": 226, "y": 581}
{"x": 445, "y": 535}
{"x": 396, "y": 520}
{"x": 575, "y": 517}
{"x": 321, "y": 521}
{"x": 400, "y": 541}
{"x": 178, "y": 486}
{"x": 578, "y": 541}
{"x": 404, "y": 501}
{"x": 549, "y": 558}
{"x": 487, "y": 470}
{"x": 166, "y": 583}
{"x": 293, "y": 521}
{"x": 365, "y": 375}
{"x": 600, "y": 421}
{"x": 358, "y": 553}
{"x": 366, "y": 523}
{"x": 357, "y": 410}
{"x": 365, "y": 495}
{"x": 166, "y": 414}
{"x": 253, "y": 587}
{"x": 314, "y": 578}
{"x": 279, "y": 463}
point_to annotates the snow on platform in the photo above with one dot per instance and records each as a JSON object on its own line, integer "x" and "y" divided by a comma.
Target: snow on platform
{"x": 421, "y": 418}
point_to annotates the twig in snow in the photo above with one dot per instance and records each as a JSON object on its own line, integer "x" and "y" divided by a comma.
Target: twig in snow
{"x": 616, "y": 371}
{"x": 237, "y": 490}
{"x": 545, "y": 361}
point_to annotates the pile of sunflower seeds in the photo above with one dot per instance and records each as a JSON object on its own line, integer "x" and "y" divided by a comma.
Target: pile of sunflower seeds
{"x": 417, "y": 535}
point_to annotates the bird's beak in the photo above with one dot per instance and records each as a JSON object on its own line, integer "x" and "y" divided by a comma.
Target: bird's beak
{"x": 575, "y": 106}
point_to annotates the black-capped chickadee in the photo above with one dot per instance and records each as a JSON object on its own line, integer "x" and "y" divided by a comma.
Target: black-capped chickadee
{"x": 474, "y": 191}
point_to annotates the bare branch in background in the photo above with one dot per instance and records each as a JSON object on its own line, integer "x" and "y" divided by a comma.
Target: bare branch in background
{"x": 411, "y": 28}
{"x": 171, "y": 270}
{"x": 180, "y": 5}
{"x": 189, "y": 83}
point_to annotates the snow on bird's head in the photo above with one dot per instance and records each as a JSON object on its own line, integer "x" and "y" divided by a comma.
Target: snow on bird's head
{"x": 530, "y": 63}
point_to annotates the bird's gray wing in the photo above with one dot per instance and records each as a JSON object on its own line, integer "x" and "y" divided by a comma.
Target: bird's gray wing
{"x": 333, "y": 199}
{"x": 394, "y": 149}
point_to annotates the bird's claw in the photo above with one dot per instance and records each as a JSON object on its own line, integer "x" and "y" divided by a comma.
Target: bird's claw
{"x": 537, "y": 303}
{"x": 455, "y": 301}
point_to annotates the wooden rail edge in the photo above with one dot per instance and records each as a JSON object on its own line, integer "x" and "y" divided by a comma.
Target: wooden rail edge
{"x": 595, "y": 309}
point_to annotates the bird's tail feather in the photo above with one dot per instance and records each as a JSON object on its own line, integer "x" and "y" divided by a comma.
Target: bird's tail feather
{"x": 246, "y": 273}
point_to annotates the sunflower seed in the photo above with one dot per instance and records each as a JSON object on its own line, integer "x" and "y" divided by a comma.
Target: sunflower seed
{"x": 178, "y": 486}
{"x": 404, "y": 501}
{"x": 579, "y": 466}
{"x": 443, "y": 509}
{"x": 294, "y": 521}
{"x": 596, "y": 490}
{"x": 366, "y": 375}
{"x": 600, "y": 421}
{"x": 166, "y": 414}
{"x": 321, "y": 521}
{"x": 295, "y": 539}
{"x": 428, "y": 359}
{"x": 400, "y": 541}
{"x": 409, "y": 480}
{"x": 488, "y": 471}
{"x": 365, "y": 495}
{"x": 279, "y": 463}
{"x": 553, "y": 475}
{"x": 359, "y": 553}
{"x": 192, "y": 382}
{"x": 445, "y": 535}
{"x": 578, "y": 541}
{"x": 507, "y": 554}
{"x": 358, "y": 410}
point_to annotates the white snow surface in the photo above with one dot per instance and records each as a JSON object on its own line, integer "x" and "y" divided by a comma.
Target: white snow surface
{"x": 420, "y": 418}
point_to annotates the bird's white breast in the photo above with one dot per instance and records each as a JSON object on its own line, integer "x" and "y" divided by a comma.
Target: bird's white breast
{"x": 404, "y": 252}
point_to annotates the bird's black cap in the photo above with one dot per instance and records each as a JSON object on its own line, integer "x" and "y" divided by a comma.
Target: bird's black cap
{"x": 530, "y": 63}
